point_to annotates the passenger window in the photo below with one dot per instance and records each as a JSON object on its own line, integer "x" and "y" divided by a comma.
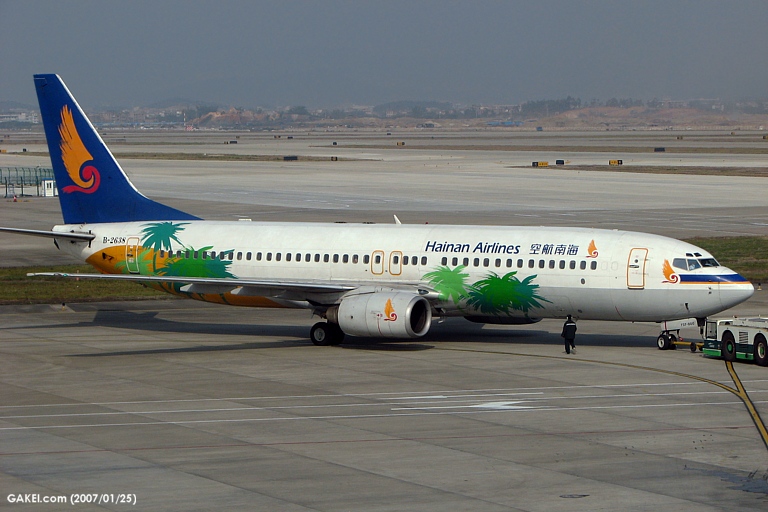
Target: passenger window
{"x": 444, "y": 261}
{"x": 366, "y": 259}
{"x": 213, "y": 255}
{"x": 424, "y": 260}
{"x": 205, "y": 255}
{"x": 583, "y": 265}
{"x": 354, "y": 258}
{"x": 345, "y": 258}
{"x": 486, "y": 262}
{"x": 551, "y": 263}
{"x": 476, "y": 262}
{"x": 414, "y": 260}
{"x": 178, "y": 254}
{"x": 269, "y": 256}
{"x": 406, "y": 258}
{"x": 335, "y": 258}
{"x": 531, "y": 263}
{"x": 465, "y": 262}
{"x": 326, "y": 258}
{"x": 258, "y": 256}
{"x": 593, "y": 265}
{"x": 377, "y": 259}
{"x": 278, "y": 256}
{"x": 542, "y": 263}
{"x": 287, "y": 257}
{"x": 455, "y": 261}
{"x": 498, "y": 262}
{"x": 520, "y": 263}
{"x": 162, "y": 253}
{"x": 317, "y": 258}
{"x": 509, "y": 263}
{"x": 248, "y": 256}
{"x": 562, "y": 264}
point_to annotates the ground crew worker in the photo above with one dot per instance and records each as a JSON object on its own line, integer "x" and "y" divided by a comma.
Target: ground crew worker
{"x": 569, "y": 335}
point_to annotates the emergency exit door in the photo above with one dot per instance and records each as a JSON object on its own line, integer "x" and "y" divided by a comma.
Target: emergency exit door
{"x": 636, "y": 268}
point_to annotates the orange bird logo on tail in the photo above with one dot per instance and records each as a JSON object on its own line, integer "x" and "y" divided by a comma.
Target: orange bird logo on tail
{"x": 75, "y": 156}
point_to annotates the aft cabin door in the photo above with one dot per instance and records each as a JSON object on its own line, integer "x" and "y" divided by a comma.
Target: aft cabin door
{"x": 132, "y": 254}
{"x": 636, "y": 268}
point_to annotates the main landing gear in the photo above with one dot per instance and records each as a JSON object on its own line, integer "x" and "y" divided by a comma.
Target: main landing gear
{"x": 324, "y": 334}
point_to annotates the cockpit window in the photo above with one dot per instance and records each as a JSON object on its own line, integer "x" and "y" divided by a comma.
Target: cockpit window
{"x": 680, "y": 263}
{"x": 709, "y": 262}
{"x": 693, "y": 264}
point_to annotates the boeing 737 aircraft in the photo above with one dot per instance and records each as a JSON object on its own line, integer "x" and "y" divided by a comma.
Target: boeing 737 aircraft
{"x": 386, "y": 281}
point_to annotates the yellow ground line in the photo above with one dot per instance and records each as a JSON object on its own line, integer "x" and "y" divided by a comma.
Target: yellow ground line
{"x": 739, "y": 391}
{"x": 742, "y": 393}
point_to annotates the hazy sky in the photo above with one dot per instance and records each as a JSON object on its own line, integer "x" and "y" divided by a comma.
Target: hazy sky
{"x": 334, "y": 52}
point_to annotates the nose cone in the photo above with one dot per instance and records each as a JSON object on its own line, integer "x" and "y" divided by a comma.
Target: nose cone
{"x": 734, "y": 289}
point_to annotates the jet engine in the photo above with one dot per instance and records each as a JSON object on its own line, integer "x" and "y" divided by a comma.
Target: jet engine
{"x": 383, "y": 315}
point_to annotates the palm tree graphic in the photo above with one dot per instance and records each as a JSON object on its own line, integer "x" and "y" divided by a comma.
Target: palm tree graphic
{"x": 500, "y": 294}
{"x": 450, "y": 284}
{"x": 159, "y": 236}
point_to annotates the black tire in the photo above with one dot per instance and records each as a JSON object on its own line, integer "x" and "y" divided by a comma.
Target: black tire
{"x": 324, "y": 334}
{"x": 321, "y": 334}
{"x": 693, "y": 346}
{"x": 761, "y": 350}
{"x": 662, "y": 342}
{"x": 728, "y": 347}
{"x": 337, "y": 335}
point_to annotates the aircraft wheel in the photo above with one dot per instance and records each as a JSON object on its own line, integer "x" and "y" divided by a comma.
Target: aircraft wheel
{"x": 693, "y": 346}
{"x": 761, "y": 350}
{"x": 324, "y": 334}
{"x": 321, "y": 334}
{"x": 662, "y": 342}
{"x": 337, "y": 335}
{"x": 728, "y": 347}
{"x": 672, "y": 340}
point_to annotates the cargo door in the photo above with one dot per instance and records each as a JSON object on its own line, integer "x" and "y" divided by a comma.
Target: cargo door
{"x": 636, "y": 268}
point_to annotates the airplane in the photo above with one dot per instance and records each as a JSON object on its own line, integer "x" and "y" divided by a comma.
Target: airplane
{"x": 369, "y": 280}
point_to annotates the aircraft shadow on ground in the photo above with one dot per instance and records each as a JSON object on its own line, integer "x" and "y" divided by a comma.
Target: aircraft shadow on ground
{"x": 452, "y": 331}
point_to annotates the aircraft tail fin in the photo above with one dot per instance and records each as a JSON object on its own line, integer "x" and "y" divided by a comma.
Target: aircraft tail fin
{"x": 92, "y": 186}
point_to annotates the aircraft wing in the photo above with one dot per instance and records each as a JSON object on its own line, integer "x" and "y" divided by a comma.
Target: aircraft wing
{"x": 224, "y": 283}
{"x": 291, "y": 290}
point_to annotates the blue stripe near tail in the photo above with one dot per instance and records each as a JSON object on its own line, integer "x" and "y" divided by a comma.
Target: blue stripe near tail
{"x": 92, "y": 186}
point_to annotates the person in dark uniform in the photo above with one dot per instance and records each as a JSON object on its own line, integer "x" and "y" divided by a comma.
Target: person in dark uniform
{"x": 569, "y": 335}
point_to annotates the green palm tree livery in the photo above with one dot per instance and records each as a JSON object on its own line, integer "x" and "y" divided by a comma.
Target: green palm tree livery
{"x": 450, "y": 284}
{"x": 159, "y": 236}
{"x": 500, "y": 295}
{"x": 492, "y": 295}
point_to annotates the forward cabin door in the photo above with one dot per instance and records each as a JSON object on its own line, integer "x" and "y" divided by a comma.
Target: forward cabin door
{"x": 132, "y": 254}
{"x": 636, "y": 268}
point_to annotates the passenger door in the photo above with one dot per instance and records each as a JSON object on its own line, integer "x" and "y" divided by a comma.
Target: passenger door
{"x": 636, "y": 268}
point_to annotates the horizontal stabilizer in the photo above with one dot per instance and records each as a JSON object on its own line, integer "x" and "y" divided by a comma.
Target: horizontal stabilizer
{"x": 81, "y": 237}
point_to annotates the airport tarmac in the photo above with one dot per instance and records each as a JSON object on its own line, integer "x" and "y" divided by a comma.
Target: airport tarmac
{"x": 190, "y": 406}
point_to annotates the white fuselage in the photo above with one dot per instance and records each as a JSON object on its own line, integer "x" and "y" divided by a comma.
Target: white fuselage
{"x": 492, "y": 273}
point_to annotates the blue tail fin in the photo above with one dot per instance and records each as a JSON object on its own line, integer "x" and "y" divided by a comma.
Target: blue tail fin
{"x": 92, "y": 186}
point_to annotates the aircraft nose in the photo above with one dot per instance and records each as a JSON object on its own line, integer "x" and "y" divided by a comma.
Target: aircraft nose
{"x": 735, "y": 290}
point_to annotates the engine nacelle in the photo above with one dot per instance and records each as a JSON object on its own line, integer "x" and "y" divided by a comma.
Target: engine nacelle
{"x": 385, "y": 315}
